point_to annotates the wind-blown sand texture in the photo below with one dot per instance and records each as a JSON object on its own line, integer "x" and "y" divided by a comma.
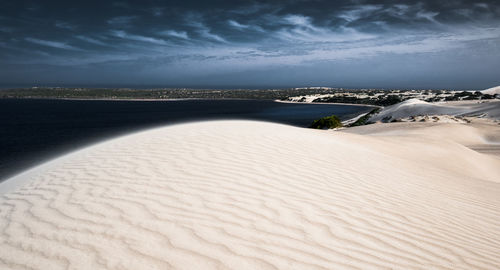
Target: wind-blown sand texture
{"x": 256, "y": 195}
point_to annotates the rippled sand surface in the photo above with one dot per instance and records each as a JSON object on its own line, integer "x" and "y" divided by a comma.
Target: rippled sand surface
{"x": 256, "y": 195}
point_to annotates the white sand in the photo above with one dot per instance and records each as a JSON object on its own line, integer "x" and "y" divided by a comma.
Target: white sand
{"x": 256, "y": 195}
{"x": 492, "y": 91}
{"x": 415, "y": 107}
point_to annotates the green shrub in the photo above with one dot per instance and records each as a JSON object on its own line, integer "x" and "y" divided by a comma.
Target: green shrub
{"x": 327, "y": 122}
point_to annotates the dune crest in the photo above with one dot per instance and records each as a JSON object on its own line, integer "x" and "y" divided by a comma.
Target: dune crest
{"x": 256, "y": 195}
{"x": 416, "y": 107}
{"x": 492, "y": 91}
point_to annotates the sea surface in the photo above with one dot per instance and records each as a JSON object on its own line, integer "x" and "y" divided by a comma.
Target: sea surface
{"x": 35, "y": 130}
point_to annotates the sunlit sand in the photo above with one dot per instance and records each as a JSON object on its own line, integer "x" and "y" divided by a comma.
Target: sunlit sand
{"x": 257, "y": 195}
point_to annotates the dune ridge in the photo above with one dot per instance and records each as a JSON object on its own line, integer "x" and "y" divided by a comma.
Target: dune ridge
{"x": 415, "y": 107}
{"x": 492, "y": 91}
{"x": 256, "y": 195}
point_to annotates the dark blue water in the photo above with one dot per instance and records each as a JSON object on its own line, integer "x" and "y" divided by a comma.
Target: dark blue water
{"x": 32, "y": 131}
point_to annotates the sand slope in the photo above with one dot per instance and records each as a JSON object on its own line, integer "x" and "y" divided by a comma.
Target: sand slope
{"x": 414, "y": 107}
{"x": 254, "y": 195}
{"x": 492, "y": 91}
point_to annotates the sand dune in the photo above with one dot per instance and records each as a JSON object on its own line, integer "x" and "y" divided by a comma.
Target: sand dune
{"x": 414, "y": 107}
{"x": 255, "y": 195}
{"x": 492, "y": 91}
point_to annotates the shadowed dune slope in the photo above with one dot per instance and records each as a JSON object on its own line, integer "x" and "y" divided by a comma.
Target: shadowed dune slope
{"x": 255, "y": 195}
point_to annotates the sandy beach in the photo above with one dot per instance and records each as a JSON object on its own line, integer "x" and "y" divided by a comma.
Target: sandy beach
{"x": 258, "y": 195}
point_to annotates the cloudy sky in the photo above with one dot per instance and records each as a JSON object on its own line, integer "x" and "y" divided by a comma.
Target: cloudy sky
{"x": 251, "y": 44}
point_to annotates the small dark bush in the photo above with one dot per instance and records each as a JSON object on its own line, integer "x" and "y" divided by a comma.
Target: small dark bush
{"x": 463, "y": 94}
{"x": 388, "y": 101}
{"x": 327, "y": 122}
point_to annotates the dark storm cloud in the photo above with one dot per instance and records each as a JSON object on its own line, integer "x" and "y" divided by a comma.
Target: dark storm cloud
{"x": 177, "y": 42}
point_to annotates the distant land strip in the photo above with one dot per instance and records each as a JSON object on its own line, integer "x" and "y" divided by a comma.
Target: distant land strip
{"x": 375, "y": 97}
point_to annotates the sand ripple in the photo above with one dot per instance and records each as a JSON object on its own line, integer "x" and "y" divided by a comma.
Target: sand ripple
{"x": 253, "y": 195}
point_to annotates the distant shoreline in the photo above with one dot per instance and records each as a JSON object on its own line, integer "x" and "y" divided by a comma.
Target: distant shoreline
{"x": 329, "y": 103}
{"x": 185, "y": 99}
{"x": 131, "y": 99}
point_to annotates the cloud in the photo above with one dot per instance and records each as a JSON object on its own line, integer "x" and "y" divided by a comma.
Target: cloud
{"x": 242, "y": 27}
{"x": 354, "y": 13}
{"x": 398, "y": 10}
{"x": 298, "y": 20}
{"x": 409, "y": 15}
{"x": 238, "y": 25}
{"x": 305, "y": 31}
{"x": 204, "y": 31}
{"x": 208, "y": 35}
{"x": 125, "y": 35}
{"x": 428, "y": 15}
{"x": 53, "y": 44}
{"x": 64, "y": 25}
{"x": 250, "y": 36}
{"x": 176, "y": 34}
{"x": 91, "y": 40}
{"x": 482, "y": 5}
{"x": 121, "y": 20}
